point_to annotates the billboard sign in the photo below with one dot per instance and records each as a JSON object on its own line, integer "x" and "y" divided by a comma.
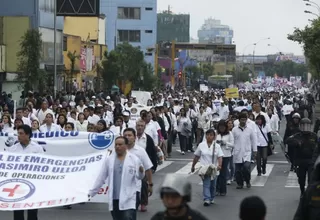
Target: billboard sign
{"x": 78, "y": 8}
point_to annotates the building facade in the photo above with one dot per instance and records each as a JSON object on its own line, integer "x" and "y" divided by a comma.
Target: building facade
{"x": 19, "y": 16}
{"x": 212, "y": 31}
{"x": 173, "y": 27}
{"x": 88, "y": 42}
{"x": 133, "y": 21}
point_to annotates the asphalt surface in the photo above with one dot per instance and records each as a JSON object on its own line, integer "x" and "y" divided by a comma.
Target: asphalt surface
{"x": 278, "y": 188}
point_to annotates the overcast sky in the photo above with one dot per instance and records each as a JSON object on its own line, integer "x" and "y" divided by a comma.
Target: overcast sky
{"x": 251, "y": 20}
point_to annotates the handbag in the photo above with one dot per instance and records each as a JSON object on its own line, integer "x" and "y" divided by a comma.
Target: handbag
{"x": 268, "y": 147}
{"x": 209, "y": 171}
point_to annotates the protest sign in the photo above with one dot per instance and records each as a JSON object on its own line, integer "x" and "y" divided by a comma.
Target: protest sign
{"x": 33, "y": 181}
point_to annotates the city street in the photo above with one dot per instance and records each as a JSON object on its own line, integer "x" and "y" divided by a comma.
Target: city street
{"x": 278, "y": 188}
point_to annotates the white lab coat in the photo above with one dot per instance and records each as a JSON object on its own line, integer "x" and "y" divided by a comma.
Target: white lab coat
{"x": 129, "y": 179}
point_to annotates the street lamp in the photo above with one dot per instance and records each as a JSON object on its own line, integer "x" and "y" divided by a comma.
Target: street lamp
{"x": 254, "y": 50}
{"x": 270, "y": 45}
{"x": 312, "y": 3}
{"x": 309, "y": 12}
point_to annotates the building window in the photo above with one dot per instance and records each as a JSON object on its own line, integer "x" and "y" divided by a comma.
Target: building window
{"x": 148, "y": 31}
{"x": 129, "y": 13}
{"x": 129, "y": 35}
{"x": 149, "y": 9}
{"x": 148, "y": 54}
{"x": 65, "y": 43}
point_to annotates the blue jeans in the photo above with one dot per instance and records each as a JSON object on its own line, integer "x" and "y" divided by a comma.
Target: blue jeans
{"x": 209, "y": 188}
{"x": 129, "y": 214}
{"x": 231, "y": 169}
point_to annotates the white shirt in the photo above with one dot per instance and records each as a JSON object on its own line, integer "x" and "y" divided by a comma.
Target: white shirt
{"x": 54, "y": 127}
{"x": 205, "y": 153}
{"x": 41, "y": 115}
{"x": 152, "y": 131}
{"x": 80, "y": 109}
{"x": 245, "y": 141}
{"x": 228, "y": 144}
{"x": 129, "y": 178}
{"x": 261, "y": 141}
{"x": 142, "y": 141}
{"x": 82, "y": 126}
{"x": 32, "y": 147}
{"x": 144, "y": 159}
{"x": 93, "y": 119}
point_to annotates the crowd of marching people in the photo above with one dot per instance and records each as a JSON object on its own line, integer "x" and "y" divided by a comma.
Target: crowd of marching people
{"x": 226, "y": 135}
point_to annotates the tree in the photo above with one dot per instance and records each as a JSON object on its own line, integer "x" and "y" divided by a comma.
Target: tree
{"x": 286, "y": 69}
{"x": 309, "y": 38}
{"x": 29, "y": 73}
{"x": 207, "y": 69}
{"x": 73, "y": 57}
{"x": 125, "y": 63}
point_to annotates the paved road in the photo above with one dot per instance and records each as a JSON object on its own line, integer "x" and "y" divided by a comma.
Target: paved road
{"x": 278, "y": 188}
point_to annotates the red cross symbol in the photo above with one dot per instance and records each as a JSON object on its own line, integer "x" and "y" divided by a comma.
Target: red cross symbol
{"x": 11, "y": 191}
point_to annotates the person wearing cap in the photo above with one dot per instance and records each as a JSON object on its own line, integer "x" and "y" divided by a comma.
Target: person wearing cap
{"x": 127, "y": 122}
{"x": 304, "y": 144}
{"x": 292, "y": 128}
{"x": 175, "y": 194}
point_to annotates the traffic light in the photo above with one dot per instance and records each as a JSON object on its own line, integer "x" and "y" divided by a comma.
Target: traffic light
{"x": 180, "y": 74}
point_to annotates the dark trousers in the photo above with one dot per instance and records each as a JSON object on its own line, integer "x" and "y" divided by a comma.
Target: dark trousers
{"x": 291, "y": 154}
{"x": 243, "y": 172}
{"x": 190, "y": 143}
{"x": 262, "y": 157}
{"x": 32, "y": 214}
{"x": 129, "y": 214}
{"x": 144, "y": 192}
{"x": 303, "y": 170}
{"x": 183, "y": 140}
{"x": 222, "y": 178}
{"x": 170, "y": 141}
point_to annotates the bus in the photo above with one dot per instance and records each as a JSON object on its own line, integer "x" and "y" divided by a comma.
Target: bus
{"x": 220, "y": 81}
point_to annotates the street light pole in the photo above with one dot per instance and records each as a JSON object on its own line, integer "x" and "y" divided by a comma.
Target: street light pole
{"x": 314, "y": 6}
{"x": 54, "y": 50}
{"x": 254, "y": 50}
{"x": 313, "y": 3}
{"x": 309, "y": 12}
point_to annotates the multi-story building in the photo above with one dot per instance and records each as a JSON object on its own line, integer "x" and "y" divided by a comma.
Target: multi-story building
{"x": 133, "y": 21}
{"x": 17, "y": 16}
{"x": 212, "y": 31}
{"x": 173, "y": 27}
{"x": 87, "y": 41}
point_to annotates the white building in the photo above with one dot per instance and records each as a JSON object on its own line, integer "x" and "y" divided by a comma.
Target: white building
{"x": 133, "y": 21}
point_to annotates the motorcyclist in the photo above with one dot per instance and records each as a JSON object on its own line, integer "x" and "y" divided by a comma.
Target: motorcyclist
{"x": 292, "y": 128}
{"x": 309, "y": 206}
{"x": 175, "y": 193}
{"x": 304, "y": 143}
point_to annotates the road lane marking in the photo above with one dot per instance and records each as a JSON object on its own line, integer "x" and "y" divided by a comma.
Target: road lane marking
{"x": 292, "y": 180}
{"x": 278, "y": 161}
{"x": 179, "y": 159}
{"x": 186, "y": 170}
{"x": 261, "y": 180}
{"x": 164, "y": 165}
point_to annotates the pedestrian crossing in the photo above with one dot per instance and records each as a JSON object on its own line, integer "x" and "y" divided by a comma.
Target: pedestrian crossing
{"x": 274, "y": 170}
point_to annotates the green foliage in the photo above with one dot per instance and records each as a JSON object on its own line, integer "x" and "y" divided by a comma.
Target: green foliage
{"x": 286, "y": 69}
{"x": 309, "y": 38}
{"x": 29, "y": 73}
{"x": 73, "y": 57}
{"x": 127, "y": 63}
{"x": 207, "y": 69}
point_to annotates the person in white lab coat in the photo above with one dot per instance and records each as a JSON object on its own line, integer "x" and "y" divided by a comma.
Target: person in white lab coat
{"x": 123, "y": 170}
{"x": 245, "y": 141}
{"x": 25, "y": 146}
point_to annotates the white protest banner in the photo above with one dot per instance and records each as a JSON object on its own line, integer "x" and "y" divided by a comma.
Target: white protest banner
{"x": 74, "y": 143}
{"x": 33, "y": 181}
